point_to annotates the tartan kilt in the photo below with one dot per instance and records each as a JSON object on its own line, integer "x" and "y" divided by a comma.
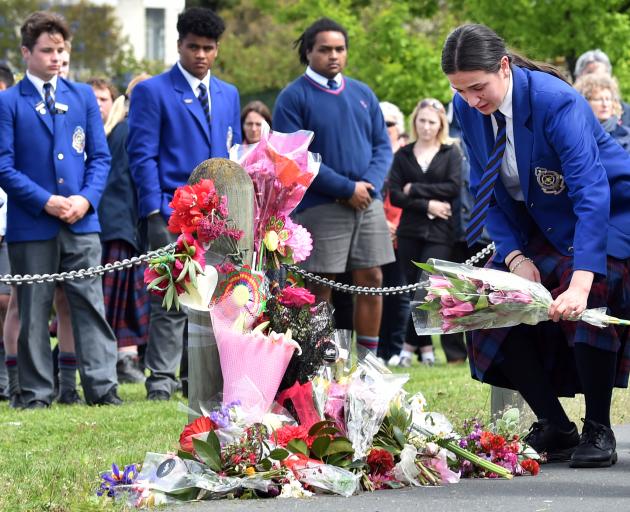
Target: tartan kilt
{"x": 127, "y": 305}
{"x": 555, "y": 341}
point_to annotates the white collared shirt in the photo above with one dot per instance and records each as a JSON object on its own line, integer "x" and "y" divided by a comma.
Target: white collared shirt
{"x": 509, "y": 167}
{"x": 322, "y": 80}
{"x": 194, "y": 82}
{"x": 39, "y": 84}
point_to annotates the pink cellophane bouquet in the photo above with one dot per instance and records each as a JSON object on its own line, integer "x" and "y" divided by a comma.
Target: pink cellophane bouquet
{"x": 281, "y": 168}
{"x": 252, "y": 362}
{"x": 455, "y": 297}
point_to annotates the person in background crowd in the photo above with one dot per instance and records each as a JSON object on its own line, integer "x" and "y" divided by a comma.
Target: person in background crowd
{"x": 253, "y": 115}
{"x": 553, "y": 190}
{"x": 424, "y": 182}
{"x": 6, "y": 81}
{"x": 126, "y": 299}
{"x": 395, "y": 306}
{"x": 105, "y": 93}
{"x": 342, "y": 208}
{"x": 64, "y": 68}
{"x": 597, "y": 62}
{"x": 176, "y": 121}
{"x": 602, "y": 94}
{"x": 53, "y": 188}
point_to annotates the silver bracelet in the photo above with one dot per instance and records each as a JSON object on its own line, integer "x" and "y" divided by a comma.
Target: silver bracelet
{"x": 518, "y": 264}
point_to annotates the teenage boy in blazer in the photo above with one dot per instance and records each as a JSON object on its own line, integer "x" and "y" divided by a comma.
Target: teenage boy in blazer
{"x": 176, "y": 121}
{"x": 54, "y": 162}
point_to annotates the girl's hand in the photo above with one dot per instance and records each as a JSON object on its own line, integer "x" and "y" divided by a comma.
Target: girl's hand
{"x": 524, "y": 267}
{"x": 572, "y": 303}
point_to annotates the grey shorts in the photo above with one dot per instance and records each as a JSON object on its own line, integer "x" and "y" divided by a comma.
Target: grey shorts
{"x": 345, "y": 238}
{"x": 5, "y": 268}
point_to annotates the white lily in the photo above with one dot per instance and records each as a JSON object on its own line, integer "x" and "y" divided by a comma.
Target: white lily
{"x": 199, "y": 297}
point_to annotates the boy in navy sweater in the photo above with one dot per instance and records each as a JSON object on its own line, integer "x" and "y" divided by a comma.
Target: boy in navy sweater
{"x": 342, "y": 209}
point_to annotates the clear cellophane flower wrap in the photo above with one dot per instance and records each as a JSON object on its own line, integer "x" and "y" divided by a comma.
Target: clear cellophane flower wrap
{"x": 369, "y": 394}
{"x": 455, "y": 297}
{"x": 281, "y": 169}
{"x": 252, "y": 363}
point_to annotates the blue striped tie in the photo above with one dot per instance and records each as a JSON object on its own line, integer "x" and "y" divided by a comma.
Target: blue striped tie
{"x": 332, "y": 85}
{"x": 486, "y": 185}
{"x": 203, "y": 99}
{"x": 48, "y": 99}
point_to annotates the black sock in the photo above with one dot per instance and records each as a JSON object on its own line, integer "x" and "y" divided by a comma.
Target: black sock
{"x": 522, "y": 367}
{"x": 596, "y": 369}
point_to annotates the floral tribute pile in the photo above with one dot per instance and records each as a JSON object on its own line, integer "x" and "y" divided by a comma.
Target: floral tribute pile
{"x": 297, "y": 415}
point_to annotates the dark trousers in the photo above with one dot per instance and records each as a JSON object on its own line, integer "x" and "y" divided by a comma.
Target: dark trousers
{"x": 395, "y": 311}
{"x": 414, "y": 249}
{"x": 343, "y": 304}
{"x": 95, "y": 341}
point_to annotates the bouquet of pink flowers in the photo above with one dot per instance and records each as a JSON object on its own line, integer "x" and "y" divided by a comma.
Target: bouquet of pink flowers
{"x": 456, "y": 297}
{"x": 281, "y": 168}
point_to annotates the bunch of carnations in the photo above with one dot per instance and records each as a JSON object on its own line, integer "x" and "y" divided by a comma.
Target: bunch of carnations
{"x": 200, "y": 216}
{"x": 456, "y": 297}
{"x": 505, "y": 452}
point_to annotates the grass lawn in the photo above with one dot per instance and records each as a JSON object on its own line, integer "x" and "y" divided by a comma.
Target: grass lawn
{"x": 50, "y": 459}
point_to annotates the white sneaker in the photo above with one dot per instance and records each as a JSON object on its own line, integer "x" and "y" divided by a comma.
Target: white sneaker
{"x": 394, "y": 360}
{"x": 405, "y": 362}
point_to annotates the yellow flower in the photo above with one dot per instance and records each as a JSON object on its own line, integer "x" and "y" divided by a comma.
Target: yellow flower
{"x": 271, "y": 241}
{"x": 250, "y": 471}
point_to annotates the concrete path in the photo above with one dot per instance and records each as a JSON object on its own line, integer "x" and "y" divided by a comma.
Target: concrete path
{"x": 557, "y": 488}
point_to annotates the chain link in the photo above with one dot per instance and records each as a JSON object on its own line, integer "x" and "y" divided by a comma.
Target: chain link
{"x": 367, "y": 290}
{"x": 99, "y": 270}
{"x": 84, "y": 273}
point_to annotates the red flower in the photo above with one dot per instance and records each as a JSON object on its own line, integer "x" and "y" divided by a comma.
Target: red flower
{"x": 486, "y": 440}
{"x": 194, "y": 428}
{"x": 287, "y": 433}
{"x": 497, "y": 443}
{"x": 296, "y": 297}
{"x": 380, "y": 461}
{"x": 531, "y": 466}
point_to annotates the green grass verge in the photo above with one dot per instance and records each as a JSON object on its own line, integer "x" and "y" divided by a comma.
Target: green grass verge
{"x": 50, "y": 460}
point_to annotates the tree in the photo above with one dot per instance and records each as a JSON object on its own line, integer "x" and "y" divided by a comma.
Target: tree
{"x": 556, "y": 31}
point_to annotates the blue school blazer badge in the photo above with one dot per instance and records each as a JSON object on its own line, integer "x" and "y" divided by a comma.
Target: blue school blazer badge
{"x": 551, "y": 182}
{"x": 78, "y": 139}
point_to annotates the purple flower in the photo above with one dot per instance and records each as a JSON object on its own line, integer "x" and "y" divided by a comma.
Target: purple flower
{"x": 501, "y": 297}
{"x": 115, "y": 478}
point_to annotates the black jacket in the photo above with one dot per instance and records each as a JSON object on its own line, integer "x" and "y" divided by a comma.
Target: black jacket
{"x": 118, "y": 211}
{"x": 441, "y": 182}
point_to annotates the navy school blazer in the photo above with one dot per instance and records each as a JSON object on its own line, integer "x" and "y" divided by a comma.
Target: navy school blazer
{"x": 575, "y": 178}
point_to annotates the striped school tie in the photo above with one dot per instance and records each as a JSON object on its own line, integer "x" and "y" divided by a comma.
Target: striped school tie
{"x": 48, "y": 99}
{"x": 203, "y": 99}
{"x": 486, "y": 185}
{"x": 332, "y": 85}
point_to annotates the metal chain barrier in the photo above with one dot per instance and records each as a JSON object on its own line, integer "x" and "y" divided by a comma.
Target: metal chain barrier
{"x": 99, "y": 270}
{"x": 83, "y": 273}
{"x": 366, "y": 290}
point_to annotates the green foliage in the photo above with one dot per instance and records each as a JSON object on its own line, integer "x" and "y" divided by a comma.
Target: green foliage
{"x": 558, "y": 32}
{"x": 388, "y": 49}
{"x": 393, "y": 433}
{"x": 328, "y": 445}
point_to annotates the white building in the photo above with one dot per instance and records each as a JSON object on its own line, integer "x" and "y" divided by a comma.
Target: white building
{"x": 149, "y": 25}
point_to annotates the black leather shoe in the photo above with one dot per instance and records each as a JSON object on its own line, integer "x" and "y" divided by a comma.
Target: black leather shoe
{"x": 109, "y": 398}
{"x": 69, "y": 397}
{"x": 15, "y": 402}
{"x": 597, "y": 448}
{"x": 546, "y": 438}
{"x": 158, "y": 395}
{"x": 36, "y": 404}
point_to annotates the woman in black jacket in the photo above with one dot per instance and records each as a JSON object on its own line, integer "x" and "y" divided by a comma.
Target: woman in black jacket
{"x": 424, "y": 181}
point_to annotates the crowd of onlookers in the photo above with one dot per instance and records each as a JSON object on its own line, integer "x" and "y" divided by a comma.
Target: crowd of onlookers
{"x": 89, "y": 173}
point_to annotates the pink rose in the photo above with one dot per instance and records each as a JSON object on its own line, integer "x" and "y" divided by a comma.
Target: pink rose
{"x": 296, "y": 297}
